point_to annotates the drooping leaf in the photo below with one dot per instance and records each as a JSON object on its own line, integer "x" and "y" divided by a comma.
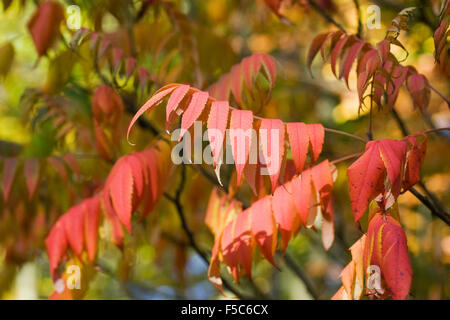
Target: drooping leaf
{"x": 263, "y": 227}
{"x": 44, "y": 25}
{"x": 9, "y": 172}
{"x": 241, "y": 125}
{"x": 217, "y": 124}
{"x": 272, "y": 147}
{"x": 284, "y": 212}
{"x": 31, "y": 172}
{"x": 299, "y": 141}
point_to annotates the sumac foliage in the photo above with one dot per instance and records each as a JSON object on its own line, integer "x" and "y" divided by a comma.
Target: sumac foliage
{"x": 146, "y": 134}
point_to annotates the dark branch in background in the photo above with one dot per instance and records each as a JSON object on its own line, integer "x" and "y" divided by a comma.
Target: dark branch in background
{"x": 439, "y": 94}
{"x": 430, "y": 200}
{"x": 435, "y": 211}
{"x": 358, "y": 12}
{"x": 325, "y": 14}
{"x": 176, "y": 200}
{"x": 142, "y": 122}
{"x": 370, "y": 132}
{"x": 289, "y": 261}
{"x": 131, "y": 287}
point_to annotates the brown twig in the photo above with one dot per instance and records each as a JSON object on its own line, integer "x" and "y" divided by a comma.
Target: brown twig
{"x": 290, "y": 263}
{"x": 358, "y": 12}
{"x": 325, "y": 14}
{"x": 176, "y": 200}
{"x": 430, "y": 200}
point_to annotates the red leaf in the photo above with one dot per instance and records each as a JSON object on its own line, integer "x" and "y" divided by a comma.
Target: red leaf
{"x": 396, "y": 268}
{"x": 31, "y": 172}
{"x": 151, "y": 103}
{"x": 91, "y": 223}
{"x": 323, "y": 182}
{"x": 283, "y": 211}
{"x": 384, "y": 48}
{"x": 418, "y": 87}
{"x": 193, "y": 111}
{"x": 73, "y": 226}
{"x": 272, "y": 150}
{"x": 393, "y": 154}
{"x": 263, "y": 227}
{"x": 172, "y": 105}
{"x": 298, "y": 134}
{"x": 116, "y": 227}
{"x": 44, "y": 25}
{"x": 117, "y": 58}
{"x": 236, "y": 83}
{"x": 243, "y": 237}
{"x": 316, "y": 45}
{"x": 56, "y": 244}
{"x": 352, "y": 54}
{"x": 337, "y": 50}
{"x": 217, "y": 124}
{"x": 386, "y": 248}
{"x": 130, "y": 65}
{"x": 58, "y": 164}
{"x": 9, "y": 171}
{"x": 316, "y": 138}
{"x": 269, "y": 64}
{"x": 214, "y": 269}
{"x": 228, "y": 249}
{"x": 301, "y": 189}
{"x": 416, "y": 156}
{"x": 364, "y": 176}
{"x": 241, "y": 125}
{"x": 71, "y": 161}
{"x": 121, "y": 192}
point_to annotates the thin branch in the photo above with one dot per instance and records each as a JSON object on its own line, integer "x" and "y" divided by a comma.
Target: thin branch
{"x": 176, "y": 200}
{"x": 325, "y": 14}
{"x": 298, "y": 271}
{"x": 358, "y": 12}
{"x": 400, "y": 122}
{"x": 342, "y": 133}
{"x": 370, "y": 132}
{"x": 350, "y": 156}
{"x": 436, "y": 130}
{"x": 430, "y": 201}
{"x": 439, "y": 94}
{"x": 444, "y": 216}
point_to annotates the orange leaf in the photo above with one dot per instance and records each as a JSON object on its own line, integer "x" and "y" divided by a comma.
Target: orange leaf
{"x": 91, "y": 223}
{"x": 241, "y": 125}
{"x": 31, "y": 172}
{"x": 284, "y": 212}
{"x": 217, "y": 124}
{"x": 193, "y": 111}
{"x": 316, "y": 138}
{"x": 272, "y": 149}
{"x": 151, "y": 103}
{"x": 172, "y": 105}
{"x": 121, "y": 192}
{"x": 365, "y": 179}
{"x": 9, "y": 171}
{"x": 73, "y": 226}
{"x": 44, "y": 25}
{"x": 298, "y": 134}
{"x": 263, "y": 227}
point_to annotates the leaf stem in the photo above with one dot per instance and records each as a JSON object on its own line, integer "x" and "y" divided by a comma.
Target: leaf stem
{"x": 350, "y": 156}
{"x": 342, "y": 133}
{"x": 439, "y": 94}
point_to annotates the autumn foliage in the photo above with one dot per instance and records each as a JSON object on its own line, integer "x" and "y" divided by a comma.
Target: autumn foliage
{"x": 126, "y": 99}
